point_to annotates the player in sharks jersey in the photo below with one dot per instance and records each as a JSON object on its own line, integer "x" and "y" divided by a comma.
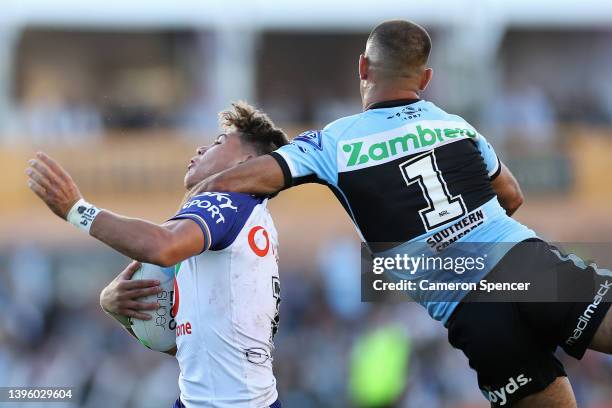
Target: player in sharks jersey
{"x": 227, "y": 288}
{"x": 407, "y": 172}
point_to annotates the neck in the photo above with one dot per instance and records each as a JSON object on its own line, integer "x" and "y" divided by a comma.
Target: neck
{"x": 376, "y": 94}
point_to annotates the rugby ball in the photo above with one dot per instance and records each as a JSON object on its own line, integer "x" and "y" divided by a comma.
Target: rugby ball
{"x": 159, "y": 332}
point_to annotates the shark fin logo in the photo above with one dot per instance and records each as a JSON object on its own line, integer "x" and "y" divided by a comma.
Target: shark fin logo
{"x": 312, "y": 137}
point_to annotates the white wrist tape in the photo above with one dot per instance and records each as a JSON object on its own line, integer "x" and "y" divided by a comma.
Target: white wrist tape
{"x": 82, "y": 214}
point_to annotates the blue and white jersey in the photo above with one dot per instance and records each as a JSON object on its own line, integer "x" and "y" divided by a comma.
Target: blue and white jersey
{"x": 406, "y": 171}
{"x": 226, "y": 304}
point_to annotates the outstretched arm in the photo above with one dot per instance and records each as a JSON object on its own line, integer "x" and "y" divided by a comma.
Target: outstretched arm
{"x": 144, "y": 241}
{"x": 261, "y": 175}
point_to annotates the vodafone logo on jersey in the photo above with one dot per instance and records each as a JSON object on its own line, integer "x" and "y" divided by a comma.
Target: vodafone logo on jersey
{"x": 185, "y": 328}
{"x": 259, "y": 241}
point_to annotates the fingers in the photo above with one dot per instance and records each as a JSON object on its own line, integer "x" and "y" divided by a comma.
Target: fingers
{"x": 136, "y": 306}
{"x": 53, "y": 165}
{"x": 134, "y": 309}
{"x": 138, "y": 293}
{"x": 134, "y": 314}
{"x": 44, "y": 171}
{"x": 130, "y": 270}
{"x": 138, "y": 284}
{"x": 39, "y": 178}
{"x": 61, "y": 191}
{"x": 37, "y": 189}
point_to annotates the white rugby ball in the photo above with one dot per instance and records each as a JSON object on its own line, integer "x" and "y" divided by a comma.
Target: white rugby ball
{"x": 159, "y": 332}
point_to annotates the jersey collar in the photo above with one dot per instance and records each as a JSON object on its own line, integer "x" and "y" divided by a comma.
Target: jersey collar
{"x": 392, "y": 103}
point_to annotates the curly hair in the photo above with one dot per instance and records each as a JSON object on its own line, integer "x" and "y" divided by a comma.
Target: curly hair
{"x": 254, "y": 127}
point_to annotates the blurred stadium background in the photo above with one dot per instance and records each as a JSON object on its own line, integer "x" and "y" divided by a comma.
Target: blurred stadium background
{"x": 122, "y": 92}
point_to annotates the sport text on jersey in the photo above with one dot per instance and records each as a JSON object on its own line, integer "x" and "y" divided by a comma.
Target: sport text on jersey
{"x": 213, "y": 203}
{"x": 386, "y": 146}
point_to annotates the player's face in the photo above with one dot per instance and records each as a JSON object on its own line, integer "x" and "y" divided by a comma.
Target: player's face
{"x": 226, "y": 151}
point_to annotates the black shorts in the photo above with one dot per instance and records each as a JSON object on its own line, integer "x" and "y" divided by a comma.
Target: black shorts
{"x": 511, "y": 345}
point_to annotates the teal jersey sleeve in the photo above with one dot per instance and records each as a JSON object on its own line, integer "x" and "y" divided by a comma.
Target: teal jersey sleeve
{"x": 310, "y": 157}
{"x": 488, "y": 154}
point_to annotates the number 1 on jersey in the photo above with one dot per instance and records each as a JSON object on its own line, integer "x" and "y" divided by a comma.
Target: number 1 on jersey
{"x": 442, "y": 207}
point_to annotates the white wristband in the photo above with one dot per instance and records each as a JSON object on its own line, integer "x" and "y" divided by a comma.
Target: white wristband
{"x": 82, "y": 214}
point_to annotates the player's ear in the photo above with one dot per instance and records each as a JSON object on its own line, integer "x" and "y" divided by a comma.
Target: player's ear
{"x": 245, "y": 158}
{"x": 363, "y": 67}
{"x": 425, "y": 78}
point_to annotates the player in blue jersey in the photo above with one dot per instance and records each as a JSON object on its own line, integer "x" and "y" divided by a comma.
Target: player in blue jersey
{"x": 409, "y": 173}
